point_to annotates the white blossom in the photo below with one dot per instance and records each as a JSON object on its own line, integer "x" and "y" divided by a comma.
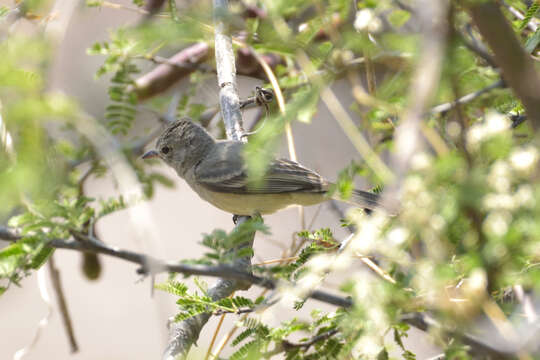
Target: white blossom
{"x": 524, "y": 159}
{"x": 367, "y": 21}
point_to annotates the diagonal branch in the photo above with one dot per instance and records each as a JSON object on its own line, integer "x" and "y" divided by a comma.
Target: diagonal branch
{"x": 518, "y": 70}
{"x": 62, "y": 304}
{"x": 443, "y": 108}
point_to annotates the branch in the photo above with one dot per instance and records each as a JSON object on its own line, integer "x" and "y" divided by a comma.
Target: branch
{"x": 184, "y": 334}
{"x": 442, "y": 108}
{"x": 9, "y": 234}
{"x": 287, "y": 345}
{"x": 517, "y": 67}
{"x": 473, "y": 44}
{"x": 62, "y": 305}
{"x": 477, "y": 48}
{"x": 150, "y": 265}
{"x": 171, "y": 70}
{"x": 478, "y": 346}
{"x": 165, "y": 75}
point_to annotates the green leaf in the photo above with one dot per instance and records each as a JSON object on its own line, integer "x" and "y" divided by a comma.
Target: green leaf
{"x": 306, "y": 101}
{"x": 41, "y": 257}
{"x": 243, "y": 335}
{"x": 398, "y": 17}
{"x": 383, "y": 355}
{"x": 11, "y": 250}
{"x": 533, "y": 41}
{"x": 3, "y": 12}
{"x": 240, "y": 301}
{"x": 173, "y": 287}
{"x": 531, "y": 12}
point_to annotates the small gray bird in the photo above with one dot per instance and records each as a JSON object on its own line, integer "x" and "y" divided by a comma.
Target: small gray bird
{"x": 216, "y": 170}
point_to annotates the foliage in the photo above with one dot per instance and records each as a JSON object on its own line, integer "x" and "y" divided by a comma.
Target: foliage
{"x": 225, "y": 248}
{"x": 467, "y": 231}
{"x": 121, "y": 112}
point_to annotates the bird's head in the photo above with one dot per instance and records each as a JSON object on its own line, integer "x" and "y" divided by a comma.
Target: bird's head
{"x": 182, "y": 145}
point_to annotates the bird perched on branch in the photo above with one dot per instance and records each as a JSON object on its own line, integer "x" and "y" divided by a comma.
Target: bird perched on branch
{"x": 217, "y": 172}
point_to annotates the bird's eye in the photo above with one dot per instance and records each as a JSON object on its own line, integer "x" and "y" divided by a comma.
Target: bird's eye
{"x": 165, "y": 150}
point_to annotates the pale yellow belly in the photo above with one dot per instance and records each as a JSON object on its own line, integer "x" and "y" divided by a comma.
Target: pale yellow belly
{"x": 258, "y": 203}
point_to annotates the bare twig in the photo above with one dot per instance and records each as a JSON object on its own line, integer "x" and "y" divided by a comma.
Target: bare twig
{"x": 286, "y": 345}
{"x": 307, "y": 344}
{"x": 442, "y": 108}
{"x": 239, "y": 311}
{"x": 113, "y": 5}
{"x": 62, "y": 304}
{"x": 165, "y": 75}
{"x": 482, "y": 346}
{"x": 214, "y": 337}
{"x": 226, "y": 71}
{"x": 9, "y": 234}
{"x": 477, "y": 48}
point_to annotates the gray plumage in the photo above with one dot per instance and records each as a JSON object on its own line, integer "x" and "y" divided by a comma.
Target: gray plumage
{"x": 216, "y": 170}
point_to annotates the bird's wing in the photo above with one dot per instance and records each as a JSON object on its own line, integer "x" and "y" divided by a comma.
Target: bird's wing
{"x": 228, "y": 173}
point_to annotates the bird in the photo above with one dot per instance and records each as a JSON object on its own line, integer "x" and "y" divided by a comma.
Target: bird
{"x": 217, "y": 171}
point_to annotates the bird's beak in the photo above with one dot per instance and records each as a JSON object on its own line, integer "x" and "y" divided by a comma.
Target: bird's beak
{"x": 150, "y": 154}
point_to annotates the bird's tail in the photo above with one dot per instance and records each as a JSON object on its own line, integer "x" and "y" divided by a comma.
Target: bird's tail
{"x": 362, "y": 199}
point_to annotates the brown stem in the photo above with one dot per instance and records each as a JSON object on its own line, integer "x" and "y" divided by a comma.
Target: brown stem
{"x": 517, "y": 67}
{"x": 62, "y": 305}
{"x": 163, "y": 76}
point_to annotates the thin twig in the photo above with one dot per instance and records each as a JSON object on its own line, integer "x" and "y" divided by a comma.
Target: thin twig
{"x": 287, "y": 345}
{"x": 163, "y": 76}
{"x": 273, "y": 261}
{"x": 477, "y": 48}
{"x": 239, "y": 311}
{"x": 214, "y": 337}
{"x": 62, "y": 305}
{"x": 137, "y": 10}
{"x": 442, "y": 108}
{"x": 479, "y": 347}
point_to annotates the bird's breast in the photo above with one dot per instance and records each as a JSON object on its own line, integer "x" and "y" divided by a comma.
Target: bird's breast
{"x": 250, "y": 204}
